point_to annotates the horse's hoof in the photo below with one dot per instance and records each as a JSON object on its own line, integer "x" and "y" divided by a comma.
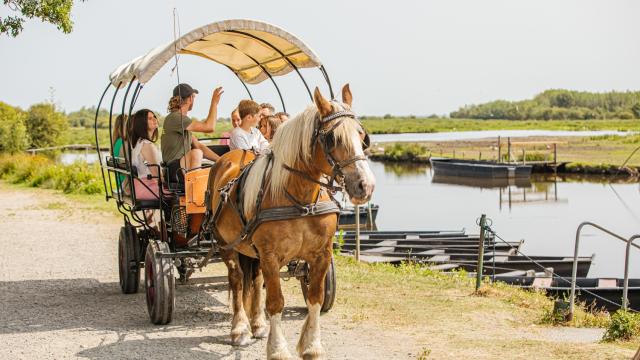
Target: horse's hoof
{"x": 242, "y": 339}
{"x": 280, "y": 354}
{"x": 312, "y": 353}
{"x": 261, "y": 332}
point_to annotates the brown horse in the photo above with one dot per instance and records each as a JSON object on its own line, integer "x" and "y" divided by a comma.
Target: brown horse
{"x": 325, "y": 140}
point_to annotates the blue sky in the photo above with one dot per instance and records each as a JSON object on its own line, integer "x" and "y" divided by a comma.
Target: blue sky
{"x": 400, "y": 57}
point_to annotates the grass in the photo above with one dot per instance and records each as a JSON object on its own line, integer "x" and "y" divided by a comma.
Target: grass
{"x": 450, "y": 321}
{"x": 40, "y": 171}
{"x": 428, "y": 125}
{"x": 598, "y": 152}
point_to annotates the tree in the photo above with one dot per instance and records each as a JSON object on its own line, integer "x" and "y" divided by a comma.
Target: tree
{"x": 13, "y": 132}
{"x": 45, "y": 125}
{"x": 56, "y": 12}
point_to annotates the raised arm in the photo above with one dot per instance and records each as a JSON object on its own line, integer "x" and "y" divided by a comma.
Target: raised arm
{"x": 209, "y": 124}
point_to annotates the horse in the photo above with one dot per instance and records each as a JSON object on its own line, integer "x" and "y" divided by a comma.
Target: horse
{"x": 325, "y": 140}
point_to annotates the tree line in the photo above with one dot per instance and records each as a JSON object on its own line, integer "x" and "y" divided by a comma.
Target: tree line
{"x": 558, "y": 104}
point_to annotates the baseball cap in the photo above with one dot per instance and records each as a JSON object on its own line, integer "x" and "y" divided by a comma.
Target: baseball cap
{"x": 184, "y": 90}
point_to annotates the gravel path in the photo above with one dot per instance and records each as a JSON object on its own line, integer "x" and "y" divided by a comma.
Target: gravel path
{"x": 60, "y": 298}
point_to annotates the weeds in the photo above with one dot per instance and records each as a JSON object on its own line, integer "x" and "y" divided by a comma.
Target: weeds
{"x": 624, "y": 325}
{"x": 39, "y": 171}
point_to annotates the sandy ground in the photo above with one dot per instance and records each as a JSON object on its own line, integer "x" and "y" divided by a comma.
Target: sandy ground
{"x": 60, "y": 298}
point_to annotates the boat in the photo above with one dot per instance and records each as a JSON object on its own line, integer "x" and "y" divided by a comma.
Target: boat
{"x": 348, "y": 215}
{"x": 608, "y": 288}
{"x": 479, "y": 168}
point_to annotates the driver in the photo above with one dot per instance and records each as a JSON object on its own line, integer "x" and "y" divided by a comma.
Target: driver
{"x": 180, "y": 148}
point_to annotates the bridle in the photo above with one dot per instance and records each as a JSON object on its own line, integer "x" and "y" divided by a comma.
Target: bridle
{"x": 326, "y": 139}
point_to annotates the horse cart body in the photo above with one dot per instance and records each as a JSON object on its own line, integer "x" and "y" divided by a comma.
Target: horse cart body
{"x": 254, "y": 51}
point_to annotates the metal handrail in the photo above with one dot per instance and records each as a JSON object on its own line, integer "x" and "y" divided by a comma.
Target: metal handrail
{"x": 574, "y": 271}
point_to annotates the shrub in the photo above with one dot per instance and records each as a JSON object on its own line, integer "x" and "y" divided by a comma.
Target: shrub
{"x": 45, "y": 125}
{"x": 39, "y": 171}
{"x": 624, "y": 325}
{"x": 13, "y": 132}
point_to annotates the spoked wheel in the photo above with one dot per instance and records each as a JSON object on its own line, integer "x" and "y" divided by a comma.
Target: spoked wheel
{"x": 159, "y": 283}
{"x": 128, "y": 260}
{"x": 329, "y": 286}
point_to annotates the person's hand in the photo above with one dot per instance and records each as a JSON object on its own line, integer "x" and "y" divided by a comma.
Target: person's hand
{"x": 217, "y": 93}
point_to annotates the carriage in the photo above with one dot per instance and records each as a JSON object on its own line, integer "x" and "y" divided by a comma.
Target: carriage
{"x": 254, "y": 51}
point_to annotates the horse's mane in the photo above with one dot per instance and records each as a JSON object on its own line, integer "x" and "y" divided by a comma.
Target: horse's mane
{"x": 291, "y": 146}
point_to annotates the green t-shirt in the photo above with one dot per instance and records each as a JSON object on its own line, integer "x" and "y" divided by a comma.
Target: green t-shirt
{"x": 117, "y": 152}
{"x": 175, "y": 142}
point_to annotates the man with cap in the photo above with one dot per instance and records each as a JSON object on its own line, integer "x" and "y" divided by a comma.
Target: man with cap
{"x": 180, "y": 149}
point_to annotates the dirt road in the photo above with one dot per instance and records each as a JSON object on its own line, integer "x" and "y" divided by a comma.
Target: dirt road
{"x": 60, "y": 298}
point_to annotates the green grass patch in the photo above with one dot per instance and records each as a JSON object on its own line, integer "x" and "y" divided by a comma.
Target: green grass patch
{"x": 42, "y": 172}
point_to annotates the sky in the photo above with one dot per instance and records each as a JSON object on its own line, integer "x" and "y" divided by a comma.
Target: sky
{"x": 399, "y": 57}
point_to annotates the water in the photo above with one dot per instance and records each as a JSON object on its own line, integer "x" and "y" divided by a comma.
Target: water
{"x": 70, "y": 157}
{"x": 544, "y": 212}
{"x": 469, "y": 135}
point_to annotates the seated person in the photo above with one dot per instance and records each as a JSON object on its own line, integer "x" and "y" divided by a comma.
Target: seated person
{"x": 119, "y": 136}
{"x": 267, "y": 109}
{"x": 246, "y": 136}
{"x": 235, "y": 122}
{"x": 143, "y": 135}
{"x": 180, "y": 149}
{"x": 283, "y": 116}
{"x": 268, "y": 126}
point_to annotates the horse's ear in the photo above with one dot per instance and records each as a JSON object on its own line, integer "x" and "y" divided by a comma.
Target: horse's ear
{"x": 323, "y": 105}
{"x": 347, "y": 98}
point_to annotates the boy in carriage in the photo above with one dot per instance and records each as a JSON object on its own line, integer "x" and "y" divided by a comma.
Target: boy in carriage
{"x": 180, "y": 149}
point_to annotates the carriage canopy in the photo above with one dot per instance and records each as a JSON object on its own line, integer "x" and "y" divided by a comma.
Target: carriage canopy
{"x": 249, "y": 48}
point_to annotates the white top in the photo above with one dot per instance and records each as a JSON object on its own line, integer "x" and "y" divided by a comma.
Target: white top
{"x": 241, "y": 139}
{"x": 138, "y": 160}
{"x": 244, "y": 46}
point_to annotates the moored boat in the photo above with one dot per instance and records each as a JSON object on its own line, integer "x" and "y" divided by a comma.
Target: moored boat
{"x": 478, "y": 168}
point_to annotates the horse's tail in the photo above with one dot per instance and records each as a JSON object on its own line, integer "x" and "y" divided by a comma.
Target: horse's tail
{"x": 250, "y": 269}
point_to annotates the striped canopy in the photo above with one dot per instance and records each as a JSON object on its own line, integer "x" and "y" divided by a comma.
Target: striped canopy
{"x": 249, "y": 48}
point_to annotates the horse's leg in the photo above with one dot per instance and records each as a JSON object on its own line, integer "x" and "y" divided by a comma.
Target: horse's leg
{"x": 256, "y": 314}
{"x": 240, "y": 329}
{"x": 309, "y": 345}
{"x": 277, "y": 344}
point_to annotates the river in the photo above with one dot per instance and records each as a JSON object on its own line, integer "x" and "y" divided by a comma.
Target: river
{"x": 545, "y": 212}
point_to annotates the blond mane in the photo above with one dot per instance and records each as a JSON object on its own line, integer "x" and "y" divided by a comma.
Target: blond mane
{"x": 292, "y": 146}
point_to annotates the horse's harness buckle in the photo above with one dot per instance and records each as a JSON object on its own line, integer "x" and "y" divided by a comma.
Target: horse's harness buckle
{"x": 308, "y": 210}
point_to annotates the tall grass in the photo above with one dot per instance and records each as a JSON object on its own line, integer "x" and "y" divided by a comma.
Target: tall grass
{"x": 40, "y": 171}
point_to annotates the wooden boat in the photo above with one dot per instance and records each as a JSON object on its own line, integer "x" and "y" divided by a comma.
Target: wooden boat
{"x": 480, "y": 169}
{"x": 348, "y": 215}
{"x": 610, "y": 289}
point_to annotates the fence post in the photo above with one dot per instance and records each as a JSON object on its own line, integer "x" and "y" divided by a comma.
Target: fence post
{"x": 483, "y": 220}
{"x": 508, "y": 150}
{"x": 555, "y": 153}
{"x": 499, "y": 148}
{"x": 357, "y": 213}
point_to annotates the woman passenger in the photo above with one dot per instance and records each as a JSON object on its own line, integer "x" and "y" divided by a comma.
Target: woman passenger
{"x": 268, "y": 126}
{"x": 117, "y": 141}
{"x": 145, "y": 154}
{"x": 235, "y": 122}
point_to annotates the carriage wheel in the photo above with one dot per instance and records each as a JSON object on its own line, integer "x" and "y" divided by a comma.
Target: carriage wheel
{"x": 159, "y": 283}
{"x": 329, "y": 286}
{"x": 128, "y": 260}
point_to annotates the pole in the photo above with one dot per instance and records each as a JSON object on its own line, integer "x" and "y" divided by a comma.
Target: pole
{"x": 508, "y": 149}
{"x": 357, "y": 213}
{"x": 499, "y": 148}
{"x": 555, "y": 153}
{"x": 369, "y": 216}
{"x": 483, "y": 220}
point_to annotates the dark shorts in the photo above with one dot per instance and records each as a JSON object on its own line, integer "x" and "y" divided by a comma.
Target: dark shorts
{"x": 174, "y": 174}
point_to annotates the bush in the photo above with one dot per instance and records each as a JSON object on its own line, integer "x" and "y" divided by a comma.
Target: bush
{"x": 405, "y": 151}
{"x": 39, "y": 171}
{"x": 13, "y": 132}
{"x": 45, "y": 125}
{"x": 624, "y": 325}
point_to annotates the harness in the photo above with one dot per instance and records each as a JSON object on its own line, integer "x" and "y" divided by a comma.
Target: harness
{"x": 298, "y": 209}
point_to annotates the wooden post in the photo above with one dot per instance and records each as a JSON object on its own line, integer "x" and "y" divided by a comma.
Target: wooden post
{"x": 480, "y": 156}
{"x": 357, "y": 212}
{"x": 454, "y": 153}
{"x": 369, "y": 215}
{"x": 508, "y": 150}
{"x": 499, "y": 148}
{"x": 524, "y": 156}
{"x": 555, "y": 153}
{"x": 483, "y": 220}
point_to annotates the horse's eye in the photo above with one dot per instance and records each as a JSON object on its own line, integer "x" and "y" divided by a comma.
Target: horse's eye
{"x": 366, "y": 142}
{"x": 330, "y": 141}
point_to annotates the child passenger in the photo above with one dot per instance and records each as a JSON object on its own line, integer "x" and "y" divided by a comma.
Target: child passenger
{"x": 247, "y": 136}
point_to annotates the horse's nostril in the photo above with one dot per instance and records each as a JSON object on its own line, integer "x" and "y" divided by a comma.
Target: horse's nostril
{"x": 361, "y": 186}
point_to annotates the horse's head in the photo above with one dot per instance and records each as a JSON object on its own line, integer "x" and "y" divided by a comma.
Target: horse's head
{"x": 340, "y": 141}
